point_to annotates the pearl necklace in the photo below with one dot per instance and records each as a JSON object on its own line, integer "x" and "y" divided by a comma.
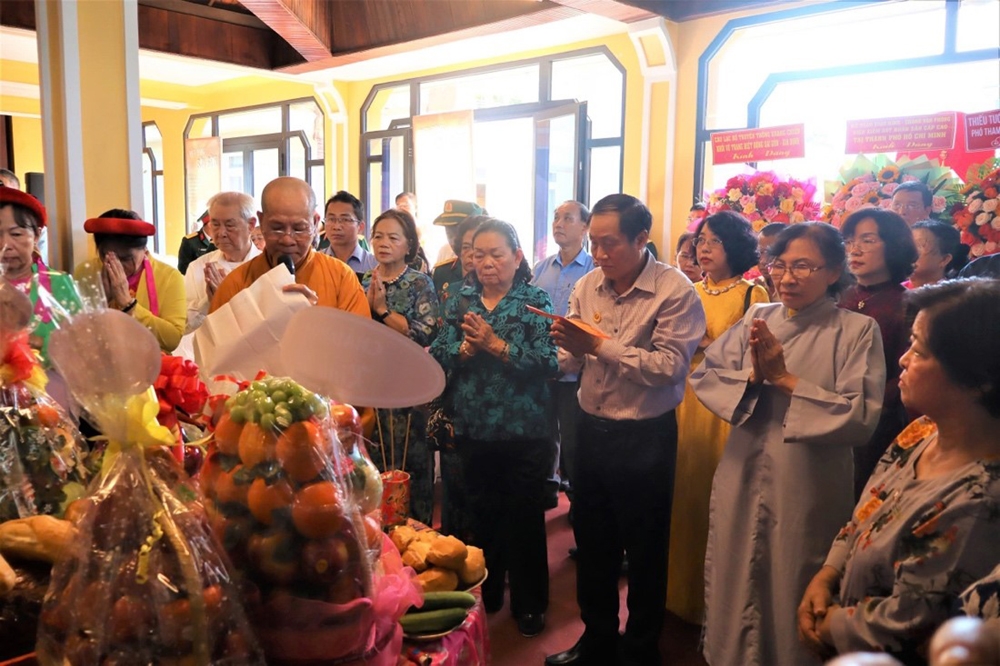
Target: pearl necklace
{"x": 716, "y": 292}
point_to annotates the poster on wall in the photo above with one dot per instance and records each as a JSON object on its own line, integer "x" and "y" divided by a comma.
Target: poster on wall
{"x": 203, "y": 159}
{"x": 934, "y": 131}
{"x": 982, "y": 131}
{"x": 760, "y": 143}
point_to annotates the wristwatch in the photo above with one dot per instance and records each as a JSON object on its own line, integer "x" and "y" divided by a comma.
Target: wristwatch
{"x": 380, "y": 317}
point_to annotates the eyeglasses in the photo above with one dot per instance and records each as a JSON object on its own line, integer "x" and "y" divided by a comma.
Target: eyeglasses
{"x": 907, "y": 206}
{"x": 343, "y": 220}
{"x": 865, "y": 244}
{"x": 701, "y": 240}
{"x": 799, "y": 271}
{"x": 685, "y": 256}
{"x": 297, "y": 233}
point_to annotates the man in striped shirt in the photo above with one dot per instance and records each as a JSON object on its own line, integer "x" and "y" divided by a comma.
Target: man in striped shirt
{"x": 633, "y": 373}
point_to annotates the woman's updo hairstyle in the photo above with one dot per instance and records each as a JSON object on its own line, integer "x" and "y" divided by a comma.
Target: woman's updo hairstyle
{"x": 963, "y": 318}
{"x": 507, "y": 230}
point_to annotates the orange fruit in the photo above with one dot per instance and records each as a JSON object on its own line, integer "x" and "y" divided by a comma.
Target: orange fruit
{"x": 227, "y": 435}
{"x": 318, "y": 511}
{"x": 256, "y": 445}
{"x": 48, "y": 415}
{"x": 227, "y": 490}
{"x": 373, "y": 530}
{"x": 302, "y": 451}
{"x": 263, "y": 499}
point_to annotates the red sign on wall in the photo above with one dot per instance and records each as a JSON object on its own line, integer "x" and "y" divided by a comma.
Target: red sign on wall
{"x": 982, "y": 131}
{"x": 934, "y": 131}
{"x": 763, "y": 143}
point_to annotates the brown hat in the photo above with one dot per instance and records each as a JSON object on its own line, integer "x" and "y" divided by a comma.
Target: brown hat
{"x": 115, "y": 225}
{"x": 10, "y": 195}
{"x": 455, "y": 211}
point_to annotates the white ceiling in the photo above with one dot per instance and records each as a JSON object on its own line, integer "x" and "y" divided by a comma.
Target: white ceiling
{"x": 19, "y": 45}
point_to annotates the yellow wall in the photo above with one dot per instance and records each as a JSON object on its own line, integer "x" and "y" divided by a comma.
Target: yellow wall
{"x": 27, "y": 146}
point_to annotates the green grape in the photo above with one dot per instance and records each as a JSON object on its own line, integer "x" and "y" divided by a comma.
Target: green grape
{"x": 265, "y": 405}
{"x": 253, "y": 416}
{"x": 257, "y": 396}
{"x": 268, "y": 422}
{"x": 238, "y": 415}
{"x": 279, "y": 396}
{"x": 281, "y": 411}
{"x": 320, "y": 408}
{"x": 257, "y": 385}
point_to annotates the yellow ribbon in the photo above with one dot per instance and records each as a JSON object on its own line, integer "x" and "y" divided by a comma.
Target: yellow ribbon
{"x": 36, "y": 380}
{"x": 141, "y": 429}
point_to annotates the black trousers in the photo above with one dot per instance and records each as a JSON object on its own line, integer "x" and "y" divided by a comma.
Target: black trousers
{"x": 623, "y": 489}
{"x": 505, "y": 482}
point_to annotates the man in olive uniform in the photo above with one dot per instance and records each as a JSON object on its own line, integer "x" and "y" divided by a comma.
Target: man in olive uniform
{"x": 450, "y": 270}
{"x": 194, "y": 245}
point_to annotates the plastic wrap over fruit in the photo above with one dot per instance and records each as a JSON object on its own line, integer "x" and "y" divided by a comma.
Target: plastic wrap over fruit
{"x": 42, "y": 456}
{"x": 146, "y": 582}
{"x": 295, "y": 500}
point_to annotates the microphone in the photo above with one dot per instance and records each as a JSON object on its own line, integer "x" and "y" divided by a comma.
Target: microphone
{"x": 287, "y": 262}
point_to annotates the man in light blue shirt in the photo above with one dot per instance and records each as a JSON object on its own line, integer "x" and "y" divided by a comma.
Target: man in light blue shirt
{"x": 557, "y": 275}
{"x": 344, "y": 224}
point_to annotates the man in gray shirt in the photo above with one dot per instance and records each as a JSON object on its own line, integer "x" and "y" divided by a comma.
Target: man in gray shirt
{"x": 648, "y": 323}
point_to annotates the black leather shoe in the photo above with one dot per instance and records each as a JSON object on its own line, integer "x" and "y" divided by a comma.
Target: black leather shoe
{"x": 531, "y": 624}
{"x": 574, "y": 656}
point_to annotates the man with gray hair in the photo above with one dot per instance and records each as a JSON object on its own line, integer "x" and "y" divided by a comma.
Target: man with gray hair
{"x": 231, "y": 218}
{"x": 9, "y": 179}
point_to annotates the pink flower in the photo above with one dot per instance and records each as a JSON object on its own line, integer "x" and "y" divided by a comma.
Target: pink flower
{"x": 889, "y": 188}
{"x": 860, "y": 190}
{"x": 909, "y": 179}
{"x": 755, "y": 216}
{"x": 874, "y": 187}
{"x": 938, "y": 204}
{"x": 990, "y": 247}
{"x": 995, "y": 223}
{"x": 770, "y": 213}
{"x": 853, "y": 204}
{"x": 983, "y": 218}
{"x": 977, "y": 250}
{"x": 867, "y": 178}
{"x": 840, "y": 199}
{"x": 975, "y": 205}
{"x": 746, "y": 200}
{"x": 990, "y": 205}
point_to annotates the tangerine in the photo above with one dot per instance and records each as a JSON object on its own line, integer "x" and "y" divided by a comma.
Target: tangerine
{"x": 318, "y": 511}
{"x": 256, "y": 445}
{"x": 227, "y": 435}
{"x": 264, "y": 499}
{"x": 227, "y": 490}
{"x": 302, "y": 451}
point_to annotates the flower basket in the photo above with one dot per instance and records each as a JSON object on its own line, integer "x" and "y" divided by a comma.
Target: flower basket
{"x": 762, "y": 197}
{"x": 975, "y": 215}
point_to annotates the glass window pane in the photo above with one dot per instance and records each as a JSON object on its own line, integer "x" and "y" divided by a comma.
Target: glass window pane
{"x": 200, "y": 128}
{"x": 480, "y": 91}
{"x": 296, "y": 158}
{"x": 318, "y": 182}
{"x": 595, "y": 80}
{"x": 605, "y": 172}
{"x": 154, "y": 141}
{"x": 250, "y": 123}
{"x": 374, "y": 188}
{"x": 232, "y": 173}
{"x": 161, "y": 206}
{"x": 504, "y": 157}
{"x": 813, "y": 42}
{"x": 388, "y": 104}
{"x": 265, "y": 169}
{"x": 147, "y": 189}
{"x": 308, "y": 117}
{"x": 977, "y": 25}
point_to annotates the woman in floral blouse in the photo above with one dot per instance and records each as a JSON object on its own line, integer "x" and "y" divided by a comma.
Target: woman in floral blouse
{"x": 928, "y": 522}
{"x": 403, "y": 299}
{"x": 499, "y": 357}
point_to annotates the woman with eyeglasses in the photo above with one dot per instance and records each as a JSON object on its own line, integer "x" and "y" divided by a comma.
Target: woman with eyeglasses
{"x": 726, "y": 247}
{"x": 133, "y": 281}
{"x": 685, "y": 258}
{"x": 404, "y": 300}
{"x": 799, "y": 381}
{"x": 881, "y": 254}
{"x": 940, "y": 253}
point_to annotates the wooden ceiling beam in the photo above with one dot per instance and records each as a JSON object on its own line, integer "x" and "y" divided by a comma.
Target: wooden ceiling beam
{"x": 612, "y": 9}
{"x": 304, "y": 24}
{"x": 545, "y": 15}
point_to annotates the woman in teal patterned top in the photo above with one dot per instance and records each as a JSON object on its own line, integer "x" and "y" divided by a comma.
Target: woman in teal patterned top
{"x": 928, "y": 522}
{"x": 403, "y": 299}
{"x": 499, "y": 358}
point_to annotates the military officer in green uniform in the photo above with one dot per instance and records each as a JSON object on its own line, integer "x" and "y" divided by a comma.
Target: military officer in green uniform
{"x": 194, "y": 245}
{"x": 449, "y": 266}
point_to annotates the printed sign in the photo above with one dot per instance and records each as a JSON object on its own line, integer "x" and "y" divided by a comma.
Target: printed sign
{"x": 935, "y": 131}
{"x": 982, "y": 131}
{"x": 762, "y": 143}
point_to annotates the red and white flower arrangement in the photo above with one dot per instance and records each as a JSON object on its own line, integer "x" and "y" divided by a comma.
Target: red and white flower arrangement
{"x": 977, "y": 215}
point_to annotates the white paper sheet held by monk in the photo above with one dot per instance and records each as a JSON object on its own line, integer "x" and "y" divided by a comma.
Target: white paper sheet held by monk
{"x": 242, "y": 337}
